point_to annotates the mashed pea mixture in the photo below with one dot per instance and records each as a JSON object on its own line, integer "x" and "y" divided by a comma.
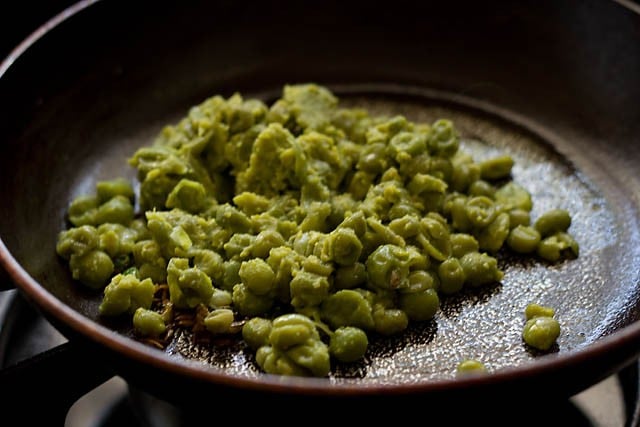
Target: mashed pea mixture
{"x": 303, "y": 226}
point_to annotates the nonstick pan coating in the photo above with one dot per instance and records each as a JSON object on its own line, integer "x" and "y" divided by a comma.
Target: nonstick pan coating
{"x": 554, "y": 84}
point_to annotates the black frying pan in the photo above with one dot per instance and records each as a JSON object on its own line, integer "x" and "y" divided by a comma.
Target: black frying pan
{"x": 554, "y": 83}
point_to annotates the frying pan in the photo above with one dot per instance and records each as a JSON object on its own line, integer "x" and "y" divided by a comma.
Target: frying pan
{"x": 556, "y": 84}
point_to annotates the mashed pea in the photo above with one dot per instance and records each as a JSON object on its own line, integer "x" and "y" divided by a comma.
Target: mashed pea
{"x": 312, "y": 225}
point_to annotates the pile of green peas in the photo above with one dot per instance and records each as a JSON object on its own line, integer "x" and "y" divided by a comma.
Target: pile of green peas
{"x": 313, "y": 226}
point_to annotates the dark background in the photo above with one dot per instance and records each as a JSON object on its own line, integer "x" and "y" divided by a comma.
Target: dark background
{"x": 20, "y": 18}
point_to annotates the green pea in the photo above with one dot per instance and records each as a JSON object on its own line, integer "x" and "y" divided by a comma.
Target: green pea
{"x": 188, "y": 286}
{"x": 390, "y": 321}
{"x": 373, "y": 159}
{"x": 220, "y": 298}
{"x": 316, "y": 217}
{"x": 313, "y": 356}
{"x": 480, "y": 211}
{"x": 148, "y": 323}
{"x": 118, "y": 210}
{"x": 443, "y": 139}
{"x": 360, "y": 184}
{"x": 519, "y": 217}
{"x": 343, "y": 247}
{"x": 210, "y": 263}
{"x": 496, "y": 168}
{"x": 116, "y": 239}
{"x": 239, "y": 246}
{"x": 514, "y": 196}
{"x": 348, "y": 344}
{"x": 383, "y": 233}
{"x": 482, "y": 188}
{"x": 356, "y": 222}
{"x": 423, "y": 183}
{"x": 523, "y": 239}
{"x": 536, "y": 310}
{"x": 251, "y": 203}
{"x": 435, "y": 238}
{"x": 126, "y": 293}
{"x": 249, "y": 304}
{"x": 286, "y": 228}
{"x": 452, "y": 276}
{"x": 82, "y": 210}
{"x": 388, "y": 267}
{"x": 219, "y": 321}
{"x": 350, "y": 277}
{"x": 441, "y": 168}
{"x": 405, "y": 226}
{"x": 275, "y": 361}
{"x": 417, "y": 259}
{"x": 156, "y": 186}
{"x": 93, "y": 268}
{"x": 388, "y": 128}
{"x": 347, "y": 308}
{"x": 257, "y": 276}
{"x": 230, "y": 217}
{"x": 458, "y": 213}
{"x": 556, "y": 246}
{"x": 407, "y": 142}
{"x": 420, "y": 306}
{"x": 151, "y": 264}
{"x": 409, "y": 166}
{"x": 265, "y": 241}
{"x": 462, "y": 244}
{"x": 464, "y": 176}
{"x": 78, "y": 241}
{"x": 180, "y": 240}
{"x": 470, "y": 366}
{"x": 308, "y": 243}
{"x": 421, "y": 280}
{"x": 308, "y": 289}
{"x": 541, "y": 332}
{"x": 231, "y": 274}
{"x": 493, "y": 236}
{"x": 480, "y": 269}
{"x": 292, "y": 334}
{"x": 553, "y": 221}
{"x": 106, "y": 190}
{"x": 256, "y": 331}
{"x": 313, "y": 264}
{"x": 284, "y": 262}
{"x": 188, "y": 195}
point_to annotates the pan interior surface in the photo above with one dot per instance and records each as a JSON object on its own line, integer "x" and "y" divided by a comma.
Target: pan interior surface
{"x": 593, "y": 294}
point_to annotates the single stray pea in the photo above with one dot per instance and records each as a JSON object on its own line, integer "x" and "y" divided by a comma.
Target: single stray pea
{"x": 541, "y": 332}
{"x": 470, "y": 366}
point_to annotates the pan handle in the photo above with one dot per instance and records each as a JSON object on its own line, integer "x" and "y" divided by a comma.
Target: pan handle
{"x": 50, "y": 383}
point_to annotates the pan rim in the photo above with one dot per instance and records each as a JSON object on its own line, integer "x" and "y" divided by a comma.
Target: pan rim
{"x": 141, "y": 353}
